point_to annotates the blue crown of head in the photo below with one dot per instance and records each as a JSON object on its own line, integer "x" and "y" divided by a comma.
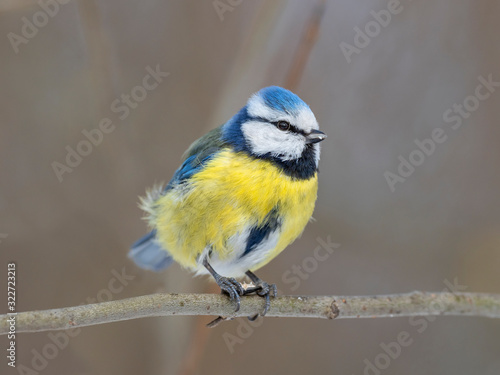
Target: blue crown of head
{"x": 281, "y": 99}
{"x": 274, "y": 97}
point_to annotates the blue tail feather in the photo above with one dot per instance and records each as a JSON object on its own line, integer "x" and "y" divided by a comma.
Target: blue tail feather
{"x": 148, "y": 254}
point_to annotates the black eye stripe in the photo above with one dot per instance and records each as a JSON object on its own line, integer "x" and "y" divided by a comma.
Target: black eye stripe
{"x": 293, "y": 128}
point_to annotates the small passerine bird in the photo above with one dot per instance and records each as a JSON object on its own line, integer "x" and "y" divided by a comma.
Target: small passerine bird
{"x": 243, "y": 193}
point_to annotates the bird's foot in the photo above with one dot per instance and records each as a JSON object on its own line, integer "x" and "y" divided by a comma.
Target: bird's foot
{"x": 228, "y": 285}
{"x": 231, "y": 287}
{"x": 262, "y": 289}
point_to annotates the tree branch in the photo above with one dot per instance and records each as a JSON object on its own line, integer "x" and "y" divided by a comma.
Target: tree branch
{"x": 328, "y": 307}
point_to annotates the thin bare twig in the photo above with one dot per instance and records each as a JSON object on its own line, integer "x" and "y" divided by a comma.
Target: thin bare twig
{"x": 328, "y": 307}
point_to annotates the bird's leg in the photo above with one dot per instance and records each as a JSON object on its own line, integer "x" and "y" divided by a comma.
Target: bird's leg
{"x": 263, "y": 289}
{"x": 227, "y": 285}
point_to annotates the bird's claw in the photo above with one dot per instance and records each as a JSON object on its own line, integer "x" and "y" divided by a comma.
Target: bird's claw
{"x": 265, "y": 290}
{"x": 231, "y": 287}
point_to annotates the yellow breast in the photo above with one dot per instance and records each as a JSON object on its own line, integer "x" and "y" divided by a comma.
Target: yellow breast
{"x": 232, "y": 192}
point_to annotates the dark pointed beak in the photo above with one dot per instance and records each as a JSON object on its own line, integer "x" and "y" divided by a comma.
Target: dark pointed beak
{"x": 315, "y": 136}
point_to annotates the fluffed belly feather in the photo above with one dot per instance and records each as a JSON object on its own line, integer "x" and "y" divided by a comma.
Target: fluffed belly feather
{"x": 214, "y": 211}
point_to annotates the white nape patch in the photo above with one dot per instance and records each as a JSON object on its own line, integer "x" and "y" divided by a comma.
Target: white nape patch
{"x": 304, "y": 120}
{"x": 264, "y": 138}
{"x": 235, "y": 265}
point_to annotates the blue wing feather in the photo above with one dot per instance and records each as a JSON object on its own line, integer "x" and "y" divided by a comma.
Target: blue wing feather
{"x": 191, "y": 166}
{"x": 147, "y": 252}
{"x": 197, "y": 155}
{"x": 259, "y": 234}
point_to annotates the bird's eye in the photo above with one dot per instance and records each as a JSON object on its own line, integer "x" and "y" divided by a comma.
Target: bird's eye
{"x": 283, "y": 125}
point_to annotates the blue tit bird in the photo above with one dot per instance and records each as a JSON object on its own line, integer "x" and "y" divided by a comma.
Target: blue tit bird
{"x": 244, "y": 192}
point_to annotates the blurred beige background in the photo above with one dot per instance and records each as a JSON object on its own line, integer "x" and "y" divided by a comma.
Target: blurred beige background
{"x": 70, "y": 238}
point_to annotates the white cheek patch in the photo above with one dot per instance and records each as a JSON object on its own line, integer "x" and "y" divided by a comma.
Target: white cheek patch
{"x": 306, "y": 120}
{"x": 264, "y": 138}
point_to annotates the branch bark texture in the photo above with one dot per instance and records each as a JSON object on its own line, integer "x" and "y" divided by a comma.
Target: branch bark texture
{"x": 326, "y": 307}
